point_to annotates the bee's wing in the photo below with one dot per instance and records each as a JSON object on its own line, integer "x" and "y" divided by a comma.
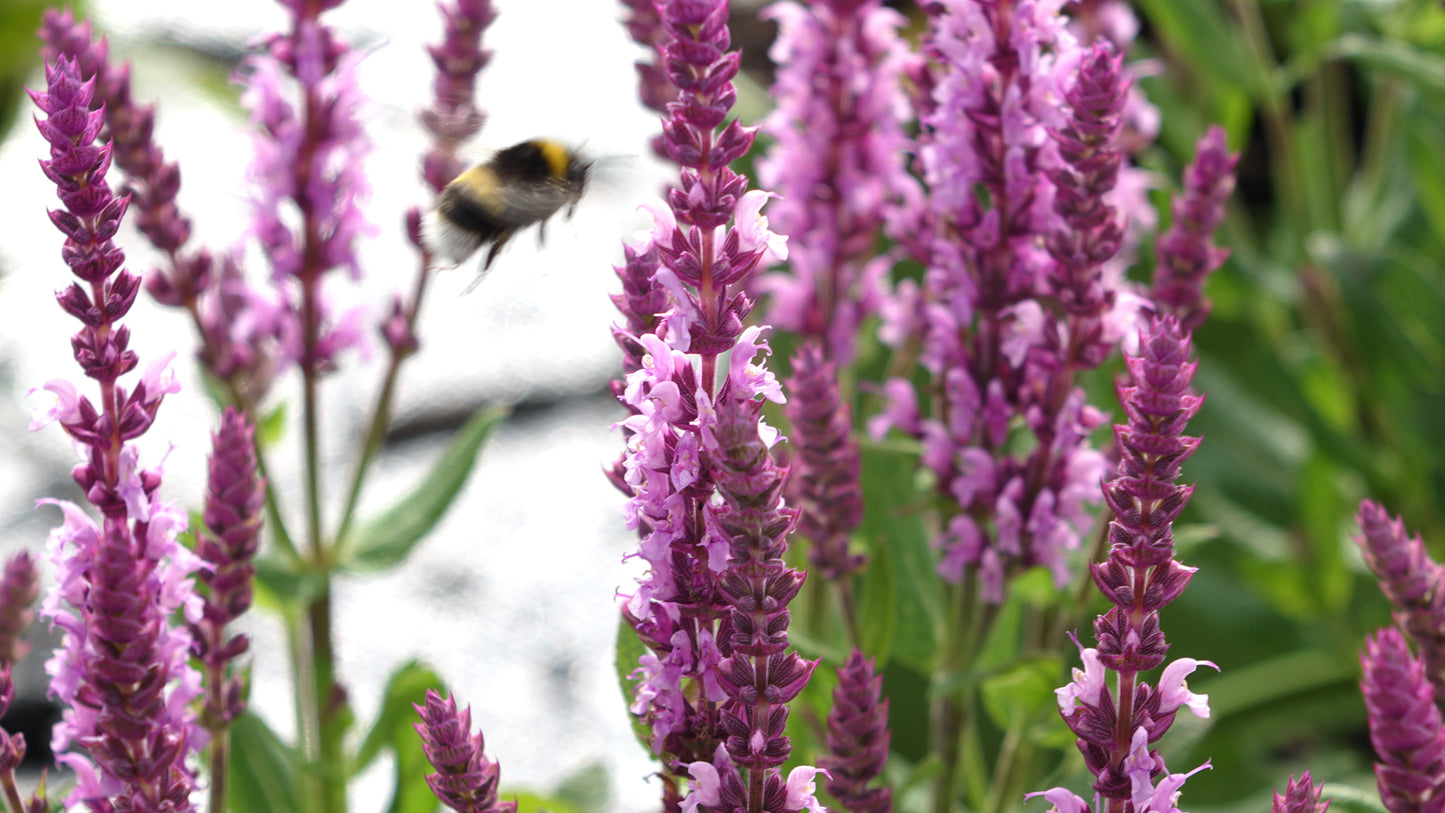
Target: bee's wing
{"x": 529, "y": 203}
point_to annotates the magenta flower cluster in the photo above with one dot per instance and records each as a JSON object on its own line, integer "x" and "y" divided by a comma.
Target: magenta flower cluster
{"x": 122, "y": 669}
{"x": 239, "y": 327}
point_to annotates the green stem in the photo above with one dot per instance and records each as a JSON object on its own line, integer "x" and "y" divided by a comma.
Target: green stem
{"x": 380, "y": 414}
{"x": 1277, "y": 117}
{"x": 952, "y": 707}
{"x": 1012, "y": 755}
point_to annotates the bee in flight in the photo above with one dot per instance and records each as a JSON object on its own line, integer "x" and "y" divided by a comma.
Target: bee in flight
{"x": 523, "y": 184}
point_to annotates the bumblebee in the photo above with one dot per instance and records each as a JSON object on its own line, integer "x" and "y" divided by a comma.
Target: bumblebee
{"x": 523, "y": 184}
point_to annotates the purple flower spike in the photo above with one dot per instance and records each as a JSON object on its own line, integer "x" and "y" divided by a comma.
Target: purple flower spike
{"x": 121, "y": 668}
{"x": 310, "y": 157}
{"x": 1412, "y": 581}
{"x": 705, "y": 492}
{"x": 234, "y": 496}
{"x": 1117, "y": 721}
{"x": 1090, "y": 230}
{"x": 18, "y": 590}
{"x": 829, "y": 496}
{"x": 1405, "y": 725}
{"x": 466, "y": 781}
{"x": 654, "y": 87}
{"x": 1300, "y": 796}
{"x": 454, "y": 117}
{"x": 858, "y": 738}
{"x": 208, "y": 286}
{"x": 838, "y": 164}
{"x": 1186, "y": 254}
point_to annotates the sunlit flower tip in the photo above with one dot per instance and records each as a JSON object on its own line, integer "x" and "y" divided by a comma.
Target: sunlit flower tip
{"x": 1062, "y": 799}
{"x": 1174, "y": 690}
{"x": 1301, "y": 796}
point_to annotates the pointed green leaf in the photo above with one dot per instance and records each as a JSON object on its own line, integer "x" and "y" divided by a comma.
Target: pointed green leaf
{"x": 396, "y": 717}
{"x": 388, "y": 538}
{"x": 263, "y": 770}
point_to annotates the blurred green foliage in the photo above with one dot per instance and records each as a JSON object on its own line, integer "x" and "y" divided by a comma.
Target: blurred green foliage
{"x": 18, "y": 55}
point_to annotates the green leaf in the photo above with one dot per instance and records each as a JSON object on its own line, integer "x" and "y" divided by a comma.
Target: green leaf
{"x": 878, "y": 604}
{"x": 396, "y": 718}
{"x": 893, "y": 527}
{"x": 281, "y": 583}
{"x": 1424, "y": 70}
{"x": 388, "y": 538}
{"x": 1351, "y": 799}
{"x": 535, "y": 803}
{"x": 1201, "y": 31}
{"x": 1246, "y": 689}
{"x": 1023, "y": 692}
{"x": 264, "y": 771}
{"x": 587, "y": 788}
{"x": 272, "y": 426}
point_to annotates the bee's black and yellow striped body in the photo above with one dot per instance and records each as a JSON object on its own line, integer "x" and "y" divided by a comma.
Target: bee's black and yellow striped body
{"x": 524, "y": 184}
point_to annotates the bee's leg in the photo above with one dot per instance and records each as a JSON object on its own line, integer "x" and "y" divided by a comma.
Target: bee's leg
{"x": 572, "y": 207}
{"x": 542, "y": 234}
{"x": 496, "y": 249}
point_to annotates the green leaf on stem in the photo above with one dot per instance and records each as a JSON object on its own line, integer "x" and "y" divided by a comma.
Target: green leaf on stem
{"x": 395, "y": 731}
{"x": 1349, "y": 799}
{"x": 282, "y": 583}
{"x": 1422, "y": 69}
{"x": 407, "y": 685}
{"x": 388, "y": 538}
{"x": 264, "y": 771}
{"x": 272, "y": 426}
{"x": 1022, "y": 693}
{"x": 534, "y": 803}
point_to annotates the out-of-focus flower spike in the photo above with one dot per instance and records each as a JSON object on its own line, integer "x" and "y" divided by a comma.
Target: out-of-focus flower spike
{"x": 1301, "y": 795}
{"x": 1186, "y": 254}
{"x": 858, "y": 738}
{"x": 1405, "y": 725}
{"x": 1412, "y": 581}
{"x": 18, "y": 590}
{"x": 466, "y": 781}
{"x": 827, "y": 465}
